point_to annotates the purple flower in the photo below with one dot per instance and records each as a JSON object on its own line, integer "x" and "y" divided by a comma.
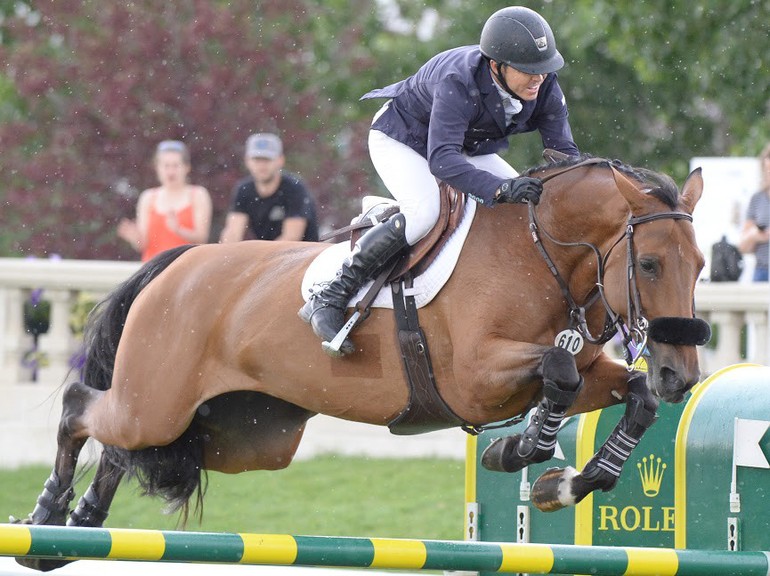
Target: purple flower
{"x": 36, "y": 296}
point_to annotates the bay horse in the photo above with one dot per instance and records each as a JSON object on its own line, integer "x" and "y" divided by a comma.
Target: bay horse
{"x": 199, "y": 361}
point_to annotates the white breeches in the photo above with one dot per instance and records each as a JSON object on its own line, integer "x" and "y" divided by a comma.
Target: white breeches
{"x": 408, "y": 178}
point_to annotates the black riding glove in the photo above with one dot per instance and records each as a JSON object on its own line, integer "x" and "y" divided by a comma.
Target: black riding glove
{"x": 521, "y": 189}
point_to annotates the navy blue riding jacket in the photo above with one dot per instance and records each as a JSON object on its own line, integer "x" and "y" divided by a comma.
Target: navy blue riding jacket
{"x": 451, "y": 108}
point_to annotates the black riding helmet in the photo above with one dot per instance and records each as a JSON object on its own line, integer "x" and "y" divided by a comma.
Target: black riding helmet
{"x": 522, "y": 39}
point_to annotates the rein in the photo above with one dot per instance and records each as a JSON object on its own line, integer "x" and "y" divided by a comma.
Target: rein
{"x": 634, "y": 328}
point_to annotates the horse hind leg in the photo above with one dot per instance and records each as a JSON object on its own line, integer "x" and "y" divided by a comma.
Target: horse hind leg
{"x": 53, "y": 503}
{"x": 561, "y": 385}
{"x": 558, "y": 488}
{"x": 93, "y": 507}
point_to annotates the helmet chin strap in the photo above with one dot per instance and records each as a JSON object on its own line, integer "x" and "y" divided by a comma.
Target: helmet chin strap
{"x": 500, "y": 78}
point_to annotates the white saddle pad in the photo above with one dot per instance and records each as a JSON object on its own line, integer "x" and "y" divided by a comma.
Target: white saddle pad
{"x": 426, "y": 285}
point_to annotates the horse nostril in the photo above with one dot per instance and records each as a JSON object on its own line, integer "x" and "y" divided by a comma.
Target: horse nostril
{"x": 672, "y": 386}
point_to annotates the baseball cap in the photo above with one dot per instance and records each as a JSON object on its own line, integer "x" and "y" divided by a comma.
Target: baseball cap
{"x": 264, "y": 146}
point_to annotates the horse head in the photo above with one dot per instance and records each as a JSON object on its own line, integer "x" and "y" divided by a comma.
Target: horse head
{"x": 652, "y": 278}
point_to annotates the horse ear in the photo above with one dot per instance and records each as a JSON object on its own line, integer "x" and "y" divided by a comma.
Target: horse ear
{"x": 635, "y": 197}
{"x": 692, "y": 190}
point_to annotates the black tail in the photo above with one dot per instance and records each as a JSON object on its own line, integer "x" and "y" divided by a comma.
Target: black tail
{"x": 173, "y": 471}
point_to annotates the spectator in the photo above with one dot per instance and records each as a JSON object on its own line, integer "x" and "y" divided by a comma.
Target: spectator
{"x": 173, "y": 214}
{"x": 755, "y": 235}
{"x": 272, "y": 203}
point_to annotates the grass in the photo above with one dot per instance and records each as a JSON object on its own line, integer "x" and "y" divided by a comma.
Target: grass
{"x": 330, "y": 496}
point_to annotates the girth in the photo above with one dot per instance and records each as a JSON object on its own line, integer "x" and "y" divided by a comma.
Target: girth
{"x": 426, "y": 410}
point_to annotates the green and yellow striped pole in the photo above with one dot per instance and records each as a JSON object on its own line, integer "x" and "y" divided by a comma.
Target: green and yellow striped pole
{"x": 382, "y": 553}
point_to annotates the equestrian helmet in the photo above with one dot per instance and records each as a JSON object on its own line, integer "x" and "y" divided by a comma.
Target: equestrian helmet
{"x": 522, "y": 39}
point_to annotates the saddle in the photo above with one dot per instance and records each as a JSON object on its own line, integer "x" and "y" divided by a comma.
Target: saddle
{"x": 422, "y": 254}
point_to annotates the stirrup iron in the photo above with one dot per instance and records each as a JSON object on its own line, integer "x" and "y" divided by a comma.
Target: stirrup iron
{"x": 333, "y": 348}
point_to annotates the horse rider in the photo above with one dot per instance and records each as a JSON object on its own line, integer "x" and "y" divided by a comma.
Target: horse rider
{"x": 448, "y": 122}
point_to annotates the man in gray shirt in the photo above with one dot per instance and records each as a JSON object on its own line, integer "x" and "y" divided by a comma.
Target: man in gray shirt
{"x": 755, "y": 236}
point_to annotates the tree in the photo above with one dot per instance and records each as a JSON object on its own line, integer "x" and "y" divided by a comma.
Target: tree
{"x": 678, "y": 79}
{"x": 97, "y": 85}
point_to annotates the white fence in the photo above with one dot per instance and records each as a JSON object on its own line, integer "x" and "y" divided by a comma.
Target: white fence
{"x": 29, "y": 411}
{"x": 739, "y": 315}
{"x": 62, "y": 281}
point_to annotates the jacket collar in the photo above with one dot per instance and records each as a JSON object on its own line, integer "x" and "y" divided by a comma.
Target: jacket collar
{"x": 491, "y": 97}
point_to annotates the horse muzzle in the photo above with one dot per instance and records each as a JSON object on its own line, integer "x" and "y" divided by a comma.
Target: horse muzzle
{"x": 679, "y": 331}
{"x": 671, "y": 374}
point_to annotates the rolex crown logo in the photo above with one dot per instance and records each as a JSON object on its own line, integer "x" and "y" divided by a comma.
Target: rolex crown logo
{"x": 651, "y": 472}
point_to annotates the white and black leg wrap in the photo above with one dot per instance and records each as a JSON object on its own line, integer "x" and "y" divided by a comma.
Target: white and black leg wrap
{"x": 640, "y": 414}
{"x": 615, "y": 452}
{"x": 561, "y": 385}
{"x": 540, "y": 434}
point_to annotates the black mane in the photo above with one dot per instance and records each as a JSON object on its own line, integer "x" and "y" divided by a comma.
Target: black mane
{"x": 658, "y": 185}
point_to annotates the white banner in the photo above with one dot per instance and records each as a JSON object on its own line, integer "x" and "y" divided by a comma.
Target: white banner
{"x": 746, "y": 448}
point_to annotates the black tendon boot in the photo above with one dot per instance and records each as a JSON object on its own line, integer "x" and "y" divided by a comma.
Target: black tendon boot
{"x": 325, "y": 310}
{"x": 88, "y": 511}
{"x": 561, "y": 385}
{"x": 52, "y": 505}
{"x": 538, "y": 441}
{"x": 603, "y": 470}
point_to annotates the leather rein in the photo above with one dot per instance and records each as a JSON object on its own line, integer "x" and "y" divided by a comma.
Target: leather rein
{"x": 634, "y": 328}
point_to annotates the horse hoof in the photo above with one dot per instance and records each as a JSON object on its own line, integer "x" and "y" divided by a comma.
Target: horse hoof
{"x": 39, "y": 564}
{"x": 501, "y": 456}
{"x": 42, "y": 564}
{"x": 553, "y": 490}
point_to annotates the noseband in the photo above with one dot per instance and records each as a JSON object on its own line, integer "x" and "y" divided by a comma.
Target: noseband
{"x": 635, "y": 329}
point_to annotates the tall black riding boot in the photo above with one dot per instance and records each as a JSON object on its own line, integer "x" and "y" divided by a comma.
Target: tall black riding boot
{"x": 325, "y": 310}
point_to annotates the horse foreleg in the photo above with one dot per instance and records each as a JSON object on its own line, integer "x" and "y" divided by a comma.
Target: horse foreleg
{"x": 561, "y": 385}
{"x": 558, "y": 488}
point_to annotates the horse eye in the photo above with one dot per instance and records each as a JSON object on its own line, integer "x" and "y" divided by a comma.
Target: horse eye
{"x": 648, "y": 265}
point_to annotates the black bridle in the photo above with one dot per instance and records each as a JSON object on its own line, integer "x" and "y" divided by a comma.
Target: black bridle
{"x": 634, "y": 328}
